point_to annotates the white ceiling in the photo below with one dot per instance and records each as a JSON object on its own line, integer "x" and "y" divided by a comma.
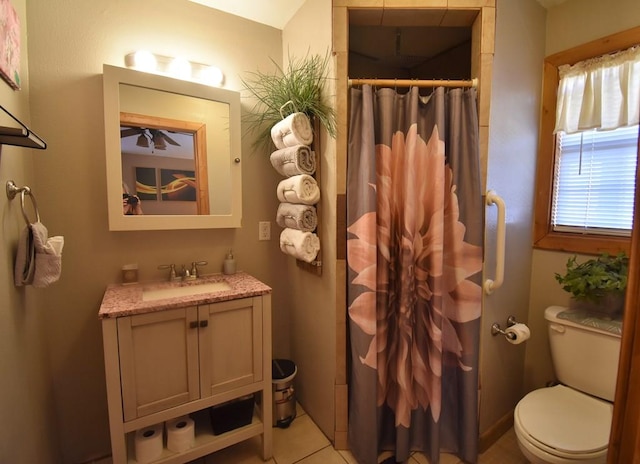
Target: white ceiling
{"x": 277, "y": 13}
{"x": 274, "y": 13}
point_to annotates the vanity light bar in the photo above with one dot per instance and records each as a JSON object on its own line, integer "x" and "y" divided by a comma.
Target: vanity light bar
{"x": 178, "y": 68}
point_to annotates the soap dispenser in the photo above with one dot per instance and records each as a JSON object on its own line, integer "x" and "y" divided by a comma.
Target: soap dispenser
{"x": 229, "y": 264}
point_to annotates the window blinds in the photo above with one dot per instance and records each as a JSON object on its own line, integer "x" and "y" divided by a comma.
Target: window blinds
{"x": 594, "y": 182}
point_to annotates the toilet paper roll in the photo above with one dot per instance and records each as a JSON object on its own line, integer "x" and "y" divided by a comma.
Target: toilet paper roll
{"x": 180, "y": 434}
{"x": 148, "y": 443}
{"x": 520, "y": 333}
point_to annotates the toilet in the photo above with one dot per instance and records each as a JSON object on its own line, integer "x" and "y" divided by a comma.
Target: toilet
{"x": 570, "y": 422}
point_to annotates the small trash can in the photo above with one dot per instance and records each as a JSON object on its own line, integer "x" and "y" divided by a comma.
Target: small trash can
{"x": 283, "y": 371}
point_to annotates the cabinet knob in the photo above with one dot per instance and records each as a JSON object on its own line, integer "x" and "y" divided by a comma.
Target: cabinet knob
{"x": 196, "y": 324}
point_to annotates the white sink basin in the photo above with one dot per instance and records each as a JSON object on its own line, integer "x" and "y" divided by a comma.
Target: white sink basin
{"x": 152, "y": 294}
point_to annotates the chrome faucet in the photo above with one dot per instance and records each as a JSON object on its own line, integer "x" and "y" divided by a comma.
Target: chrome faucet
{"x": 184, "y": 273}
{"x": 173, "y": 276}
{"x": 194, "y": 268}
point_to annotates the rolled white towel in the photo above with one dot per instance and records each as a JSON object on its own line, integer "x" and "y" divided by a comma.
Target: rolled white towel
{"x": 300, "y": 189}
{"x": 291, "y": 161}
{"x": 301, "y": 245}
{"x": 48, "y": 255}
{"x": 293, "y": 130}
{"x": 300, "y": 217}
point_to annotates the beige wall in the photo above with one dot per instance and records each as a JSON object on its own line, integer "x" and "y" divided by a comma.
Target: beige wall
{"x": 25, "y": 391}
{"x": 313, "y": 314}
{"x": 568, "y": 25}
{"x": 515, "y": 101}
{"x": 578, "y": 21}
{"x": 68, "y": 44}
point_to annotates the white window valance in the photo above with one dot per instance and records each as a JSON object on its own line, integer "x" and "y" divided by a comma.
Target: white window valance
{"x": 601, "y": 93}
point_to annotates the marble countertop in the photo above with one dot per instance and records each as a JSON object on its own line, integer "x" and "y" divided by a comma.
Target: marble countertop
{"x": 126, "y": 300}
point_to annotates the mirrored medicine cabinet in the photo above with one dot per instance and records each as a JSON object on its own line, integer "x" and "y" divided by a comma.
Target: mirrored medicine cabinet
{"x": 172, "y": 153}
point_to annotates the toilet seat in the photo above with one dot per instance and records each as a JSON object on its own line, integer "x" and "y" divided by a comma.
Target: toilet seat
{"x": 564, "y": 422}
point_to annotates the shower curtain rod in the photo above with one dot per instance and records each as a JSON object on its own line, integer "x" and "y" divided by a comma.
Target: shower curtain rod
{"x": 415, "y": 82}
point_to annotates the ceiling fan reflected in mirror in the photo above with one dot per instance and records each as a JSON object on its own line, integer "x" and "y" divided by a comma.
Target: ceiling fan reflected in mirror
{"x": 148, "y": 137}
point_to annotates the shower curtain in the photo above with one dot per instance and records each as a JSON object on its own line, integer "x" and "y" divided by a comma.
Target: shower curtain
{"x": 414, "y": 255}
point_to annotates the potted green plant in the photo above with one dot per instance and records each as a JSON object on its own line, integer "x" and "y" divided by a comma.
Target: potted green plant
{"x": 597, "y": 285}
{"x": 297, "y": 88}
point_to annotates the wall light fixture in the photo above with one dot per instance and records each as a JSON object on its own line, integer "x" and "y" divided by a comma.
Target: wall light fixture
{"x": 179, "y": 68}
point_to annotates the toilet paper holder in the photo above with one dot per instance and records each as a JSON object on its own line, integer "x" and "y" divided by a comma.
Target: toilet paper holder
{"x": 496, "y": 329}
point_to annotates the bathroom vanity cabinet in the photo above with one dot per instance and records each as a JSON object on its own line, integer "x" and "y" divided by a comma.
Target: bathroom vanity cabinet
{"x": 175, "y": 356}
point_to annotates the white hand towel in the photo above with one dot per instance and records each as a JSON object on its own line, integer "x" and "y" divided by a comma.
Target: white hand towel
{"x": 293, "y": 130}
{"x": 48, "y": 256}
{"x": 301, "y": 245}
{"x": 300, "y": 189}
{"x": 291, "y": 161}
{"x": 25, "y": 259}
{"x": 301, "y": 217}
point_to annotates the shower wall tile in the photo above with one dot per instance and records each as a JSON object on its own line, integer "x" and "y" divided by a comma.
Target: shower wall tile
{"x": 488, "y": 30}
{"x": 415, "y": 3}
{"x": 359, "y": 3}
{"x": 340, "y": 30}
{"x": 471, "y": 3}
{"x": 484, "y": 92}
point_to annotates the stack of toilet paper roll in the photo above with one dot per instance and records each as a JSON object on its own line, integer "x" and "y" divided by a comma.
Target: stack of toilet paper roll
{"x": 149, "y": 441}
{"x": 180, "y": 434}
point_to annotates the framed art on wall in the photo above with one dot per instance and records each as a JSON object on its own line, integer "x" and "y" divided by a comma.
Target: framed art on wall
{"x": 9, "y": 44}
{"x": 146, "y": 184}
{"x": 178, "y": 185}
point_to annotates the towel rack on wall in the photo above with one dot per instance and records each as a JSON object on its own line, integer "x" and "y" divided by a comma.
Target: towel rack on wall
{"x": 13, "y": 190}
{"x": 20, "y": 136}
{"x": 489, "y": 284}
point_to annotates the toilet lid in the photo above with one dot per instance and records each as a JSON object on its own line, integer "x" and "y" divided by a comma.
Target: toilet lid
{"x": 565, "y": 419}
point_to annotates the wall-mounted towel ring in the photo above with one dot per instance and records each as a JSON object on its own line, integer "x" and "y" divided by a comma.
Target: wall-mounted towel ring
{"x": 13, "y": 190}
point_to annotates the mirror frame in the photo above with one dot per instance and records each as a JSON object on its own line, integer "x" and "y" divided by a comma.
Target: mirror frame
{"x": 113, "y": 76}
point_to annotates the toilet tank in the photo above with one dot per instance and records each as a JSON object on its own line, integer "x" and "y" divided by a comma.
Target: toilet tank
{"x": 585, "y": 357}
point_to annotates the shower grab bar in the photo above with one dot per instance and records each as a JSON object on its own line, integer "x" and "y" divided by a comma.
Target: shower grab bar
{"x": 491, "y": 199}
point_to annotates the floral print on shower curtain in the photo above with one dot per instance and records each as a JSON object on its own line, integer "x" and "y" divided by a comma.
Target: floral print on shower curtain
{"x": 414, "y": 255}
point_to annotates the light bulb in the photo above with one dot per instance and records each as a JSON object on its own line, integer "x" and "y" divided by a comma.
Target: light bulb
{"x": 145, "y": 61}
{"x": 180, "y": 68}
{"x": 211, "y": 75}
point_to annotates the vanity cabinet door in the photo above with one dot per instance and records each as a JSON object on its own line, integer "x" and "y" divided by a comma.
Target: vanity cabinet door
{"x": 158, "y": 360}
{"x": 230, "y": 345}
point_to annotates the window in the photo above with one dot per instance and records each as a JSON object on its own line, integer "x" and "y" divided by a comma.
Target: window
{"x": 594, "y": 182}
{"x": 584, "y": 202}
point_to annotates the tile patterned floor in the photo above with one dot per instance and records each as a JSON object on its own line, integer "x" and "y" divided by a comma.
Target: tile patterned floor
{"x": 304, "y": 443}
